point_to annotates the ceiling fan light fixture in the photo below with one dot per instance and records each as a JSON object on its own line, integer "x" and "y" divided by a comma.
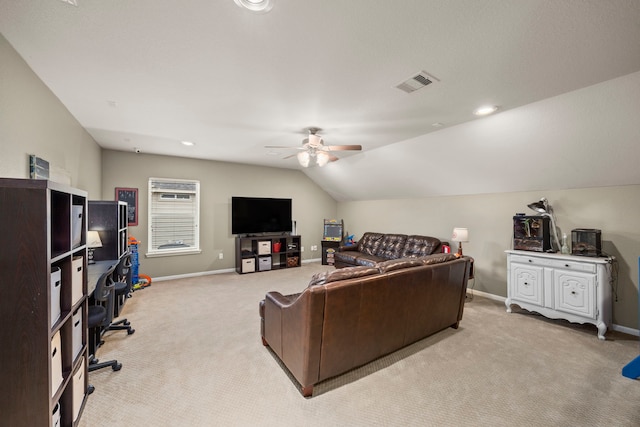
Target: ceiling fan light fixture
{"x": 303, "y": 159}
{"x": 315, "y": 140}
{"x": 322, "y": 158}
{"x": 258, "y": 6}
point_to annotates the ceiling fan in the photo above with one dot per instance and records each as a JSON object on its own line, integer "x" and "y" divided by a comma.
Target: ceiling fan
{"x": 313, "y": 148}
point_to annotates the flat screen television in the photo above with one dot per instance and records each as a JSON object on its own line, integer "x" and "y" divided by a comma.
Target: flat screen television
{"x": 260, "y": 215}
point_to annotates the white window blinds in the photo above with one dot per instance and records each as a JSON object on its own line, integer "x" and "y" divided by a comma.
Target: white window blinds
{"x": 174, "y": 212}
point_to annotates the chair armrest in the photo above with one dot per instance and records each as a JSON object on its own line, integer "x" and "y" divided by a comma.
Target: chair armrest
{"x": 353, "y": 247}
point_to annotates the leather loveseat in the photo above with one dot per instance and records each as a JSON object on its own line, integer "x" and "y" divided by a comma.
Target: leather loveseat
{"x": 375, "y": 247}
{"x": 348, "y": 317}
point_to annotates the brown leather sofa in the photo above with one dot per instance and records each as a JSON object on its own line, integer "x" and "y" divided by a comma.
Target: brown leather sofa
{"x": 376, "y": 247}
{"x": 348, "y": 317}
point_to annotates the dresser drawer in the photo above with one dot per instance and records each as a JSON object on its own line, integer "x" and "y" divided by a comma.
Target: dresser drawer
{"x": 555, "y": 263}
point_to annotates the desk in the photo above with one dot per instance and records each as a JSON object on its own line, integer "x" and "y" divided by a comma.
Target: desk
{"x": 94, "y": 271}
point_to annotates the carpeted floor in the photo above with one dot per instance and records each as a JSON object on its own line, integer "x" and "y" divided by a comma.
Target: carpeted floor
{"x": 196, "y": 359}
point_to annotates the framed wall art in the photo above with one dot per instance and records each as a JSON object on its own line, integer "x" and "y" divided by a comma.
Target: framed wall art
{"x": 129, "y": 195}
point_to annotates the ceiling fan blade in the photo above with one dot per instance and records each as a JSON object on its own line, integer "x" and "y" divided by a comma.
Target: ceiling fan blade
{"x": 342, "y": 147}
{"x": 284, "y": 146}
{"x": 333, "y": 158}
{"x": 289, "y": 156}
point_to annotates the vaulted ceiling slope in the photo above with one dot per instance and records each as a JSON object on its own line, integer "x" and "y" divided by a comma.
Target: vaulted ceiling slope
{"x": 146, "y": 74}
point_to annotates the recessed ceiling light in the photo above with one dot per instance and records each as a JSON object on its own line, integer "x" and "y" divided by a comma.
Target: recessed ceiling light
{"x": 187, "y": 143}
{"x": 259, "y": 6}
{"x": 437, "y": 125}
{"x": 483, "y": 111}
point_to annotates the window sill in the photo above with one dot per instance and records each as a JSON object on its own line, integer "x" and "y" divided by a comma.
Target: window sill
{"x": 172, "y": 252}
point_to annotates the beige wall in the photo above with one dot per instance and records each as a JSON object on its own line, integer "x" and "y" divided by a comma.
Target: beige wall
{"x": 614, "y": 210}
{"x": 34, "y": 121}
{"x": 219, "y": 181}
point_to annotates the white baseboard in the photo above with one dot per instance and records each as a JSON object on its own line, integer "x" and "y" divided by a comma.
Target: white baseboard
{"x": 207, "y": 273}
{"x": 201, "y": 273}
{"x": 614, "y": 327}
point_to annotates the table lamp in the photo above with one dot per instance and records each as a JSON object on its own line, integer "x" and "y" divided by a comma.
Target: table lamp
{"x": 460, "y": 235}
{"x": 93, "y": 241}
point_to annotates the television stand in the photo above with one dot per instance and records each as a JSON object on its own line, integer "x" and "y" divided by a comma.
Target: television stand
{"x": 265, "y": 253}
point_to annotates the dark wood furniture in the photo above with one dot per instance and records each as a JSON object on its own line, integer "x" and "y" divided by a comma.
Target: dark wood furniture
{"x": 264, "y": 253}
{"x": 43, "y": 356}
{"x": 109, "y": 219}
{"x": 328, "y": 249}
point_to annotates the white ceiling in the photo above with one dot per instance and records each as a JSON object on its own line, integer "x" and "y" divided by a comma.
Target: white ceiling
{"x": 149, "y": 73}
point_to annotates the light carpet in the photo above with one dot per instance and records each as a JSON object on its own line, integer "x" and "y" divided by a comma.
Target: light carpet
{"x": 196, "y": 359}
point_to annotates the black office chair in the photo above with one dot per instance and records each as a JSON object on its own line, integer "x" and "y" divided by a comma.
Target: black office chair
{"x": 100, "y": 316}
{"x": 122, "y": 278}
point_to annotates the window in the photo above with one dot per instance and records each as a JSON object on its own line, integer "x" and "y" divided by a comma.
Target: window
{"x": 174, "y": 215}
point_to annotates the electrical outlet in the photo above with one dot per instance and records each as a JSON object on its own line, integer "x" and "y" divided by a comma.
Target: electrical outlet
{"x": 220, "y": 256}
{"x": 301, "y": 248}
{"x": 314, "y": 247}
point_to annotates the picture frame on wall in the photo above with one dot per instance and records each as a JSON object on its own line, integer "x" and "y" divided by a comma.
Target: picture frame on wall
{"x": 129, "y": 195}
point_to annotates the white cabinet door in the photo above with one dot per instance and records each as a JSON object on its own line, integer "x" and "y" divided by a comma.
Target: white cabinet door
{"x": 575, "y": 293}
{"x": 527, "y": 284}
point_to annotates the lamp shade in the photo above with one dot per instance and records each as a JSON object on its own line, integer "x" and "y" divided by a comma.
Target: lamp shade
{"x": 460, "y": 235}
{"x": 541, "y": 206}
{"x": 93, "y": 239}
{"x": 303, "y": 159}
{"x": 322, "y": 158}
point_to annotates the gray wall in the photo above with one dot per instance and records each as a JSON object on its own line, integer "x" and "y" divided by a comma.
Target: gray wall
{"x": 488, "y": 217}
{"x": 219, "y": 181}
{"x": 34, "y": 121}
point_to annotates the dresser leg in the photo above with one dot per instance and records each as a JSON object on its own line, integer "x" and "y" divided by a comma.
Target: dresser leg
{"x": 602, "y": 329}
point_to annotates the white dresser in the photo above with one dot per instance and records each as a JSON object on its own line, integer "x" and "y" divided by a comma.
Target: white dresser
{"x": 574, "y": 288}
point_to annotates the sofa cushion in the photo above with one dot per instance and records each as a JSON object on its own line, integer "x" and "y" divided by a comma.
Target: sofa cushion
{"x": 348, "y": 257}
{"x": 369, "y": 243}
{"x": 369, "y": 260}
{"x": 391, "y": 246}
{"x": 342, "y": 274}
{"x": 418, "y": 246}
{"x": 397, "y": 264}
{"x": 437, "y": 258}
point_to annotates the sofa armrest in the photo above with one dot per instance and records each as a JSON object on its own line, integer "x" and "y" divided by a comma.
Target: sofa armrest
{"x": 280, "y": 300}
{"x": 293, "y": 330}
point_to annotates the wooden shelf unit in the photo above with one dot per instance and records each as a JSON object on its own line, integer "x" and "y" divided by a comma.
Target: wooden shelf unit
{"x": 260, "y": 252}
{"x": 109, "y": 219}
{"x": 43, "y": 229}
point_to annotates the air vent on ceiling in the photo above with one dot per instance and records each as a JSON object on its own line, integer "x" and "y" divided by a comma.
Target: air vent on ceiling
{"x": 416, "y": 82}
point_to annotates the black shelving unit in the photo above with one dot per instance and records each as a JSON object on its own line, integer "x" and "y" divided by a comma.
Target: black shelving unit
{"x": 43, "y": 309}
{"x": 265, "y": 253}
